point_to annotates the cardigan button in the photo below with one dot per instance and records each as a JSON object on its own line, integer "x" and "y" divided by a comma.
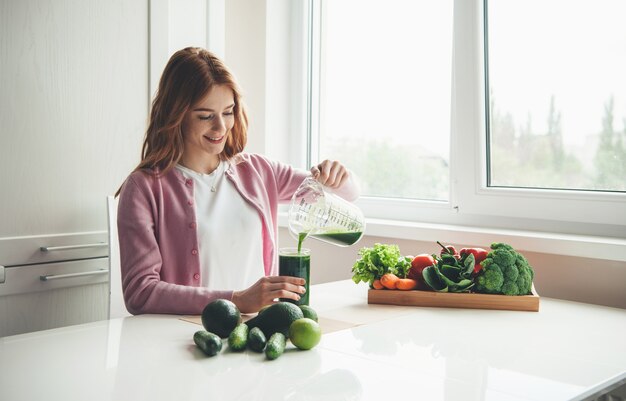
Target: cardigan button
{"x": 196, "y": 276}
{"x": 194, "y": 251}
{"x": 192, "y": 225}
{"x": 190, "y": 202}
{"x": 188, "y": 182}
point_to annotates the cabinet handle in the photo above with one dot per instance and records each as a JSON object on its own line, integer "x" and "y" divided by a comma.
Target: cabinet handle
{"x": 70, "y": 247}
{"x": 49, "y": 277}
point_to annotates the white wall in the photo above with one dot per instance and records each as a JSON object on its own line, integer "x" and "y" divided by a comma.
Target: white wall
{"x": 73, "y": 105}
{"x": 175, "y": 25}
{"x": 245, "y": 56}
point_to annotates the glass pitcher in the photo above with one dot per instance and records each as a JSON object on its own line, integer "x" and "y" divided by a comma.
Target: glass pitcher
{"x": 318, "y": 213}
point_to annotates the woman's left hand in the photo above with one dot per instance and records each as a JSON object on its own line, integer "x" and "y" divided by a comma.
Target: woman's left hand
{"x": 330, "y": 173}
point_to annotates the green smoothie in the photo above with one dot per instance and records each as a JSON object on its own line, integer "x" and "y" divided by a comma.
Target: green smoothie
{"x": 340, "y": 238}
{"x": 301, "y": 238}
{"x": 296, "y": 263}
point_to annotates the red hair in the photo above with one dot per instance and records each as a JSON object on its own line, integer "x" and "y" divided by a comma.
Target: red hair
{"x": 187, "y": 78}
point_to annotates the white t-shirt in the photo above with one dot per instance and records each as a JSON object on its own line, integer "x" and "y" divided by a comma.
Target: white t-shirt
{"x": 230, "y": 236}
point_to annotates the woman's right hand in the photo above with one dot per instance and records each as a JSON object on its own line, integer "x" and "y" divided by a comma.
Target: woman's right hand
{"x": 330, "y": 173}
{"x": 266, "y": 290}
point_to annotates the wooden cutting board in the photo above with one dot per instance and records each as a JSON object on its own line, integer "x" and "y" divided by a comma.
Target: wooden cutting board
{"x": 455, "y": 300}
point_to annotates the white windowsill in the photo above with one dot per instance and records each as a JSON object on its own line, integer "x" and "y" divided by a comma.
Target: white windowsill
{"x": 604, "y": 248}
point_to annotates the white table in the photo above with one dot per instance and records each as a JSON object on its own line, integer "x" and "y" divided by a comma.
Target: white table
{"x": 565, "y": 351}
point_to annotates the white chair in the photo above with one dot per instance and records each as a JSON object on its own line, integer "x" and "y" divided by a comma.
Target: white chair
{"x": 117, "y": 308}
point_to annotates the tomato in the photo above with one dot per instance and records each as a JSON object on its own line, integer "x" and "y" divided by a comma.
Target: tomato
{"x": 419, "y": 263}
{"x": 422, "y": 261}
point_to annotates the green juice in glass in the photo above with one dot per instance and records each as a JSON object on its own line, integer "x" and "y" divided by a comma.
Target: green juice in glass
{"x": 296, "y": 263}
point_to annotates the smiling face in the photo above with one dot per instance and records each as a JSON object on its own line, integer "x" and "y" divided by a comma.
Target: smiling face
{"x": 205, "y": 128}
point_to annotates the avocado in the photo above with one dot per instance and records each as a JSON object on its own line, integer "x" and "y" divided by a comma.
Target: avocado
{"x": 276, "y": 318}
{"x": 220, "y": 317}
{"x": 309, "y": 312}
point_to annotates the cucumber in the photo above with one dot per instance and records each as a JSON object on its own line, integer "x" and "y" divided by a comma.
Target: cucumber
{"x": 208, "y": 342}
{"x": 256, "y": 340}
{"x": 275, "y": 345}
{"x": 238, "y": 338}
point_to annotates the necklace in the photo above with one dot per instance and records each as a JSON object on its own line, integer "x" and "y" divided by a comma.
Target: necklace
{"x": 217, "y": 174}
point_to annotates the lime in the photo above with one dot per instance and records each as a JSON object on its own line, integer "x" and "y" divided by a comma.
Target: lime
{"x": 309, "y": 312}
{"x": 305, "y": 333}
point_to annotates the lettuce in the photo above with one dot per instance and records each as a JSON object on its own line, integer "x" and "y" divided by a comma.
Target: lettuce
{"x": 379, "y": 260}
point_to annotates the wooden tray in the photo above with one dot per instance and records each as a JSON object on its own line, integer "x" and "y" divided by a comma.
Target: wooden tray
{"x": 455, "y": 300}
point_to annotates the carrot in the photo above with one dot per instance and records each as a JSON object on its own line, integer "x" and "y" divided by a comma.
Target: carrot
{"x": 406, "y": 284}
{"x": 389, "y": 280}
{"x": 377, "y": 285}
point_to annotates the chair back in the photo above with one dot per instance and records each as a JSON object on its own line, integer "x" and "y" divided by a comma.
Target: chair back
{"x": 117, "y": 308}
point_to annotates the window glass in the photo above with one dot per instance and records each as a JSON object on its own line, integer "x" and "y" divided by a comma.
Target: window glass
{"x": 385, "y": 87}
{"x": 557, "y": 94}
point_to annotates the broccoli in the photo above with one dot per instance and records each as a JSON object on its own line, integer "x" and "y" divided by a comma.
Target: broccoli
{"x": 504, "y": 271}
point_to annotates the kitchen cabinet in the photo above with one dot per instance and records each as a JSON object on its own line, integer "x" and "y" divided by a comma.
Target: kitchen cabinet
{"x": 53, "y": 281}
{"x": 74, "y": 95}
{"x": 53, "y": 295}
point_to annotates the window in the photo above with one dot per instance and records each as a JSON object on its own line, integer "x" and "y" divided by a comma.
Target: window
{"x": 385, "y": 94}
{"x": 500, "y": 115}
{"x": 557, "y": 94}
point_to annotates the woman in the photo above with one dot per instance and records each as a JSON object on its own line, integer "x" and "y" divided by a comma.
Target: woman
{"x": 197, "y": 218}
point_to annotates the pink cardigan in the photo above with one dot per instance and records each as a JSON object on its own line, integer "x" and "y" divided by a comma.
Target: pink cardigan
{"x": 158, "y": 239}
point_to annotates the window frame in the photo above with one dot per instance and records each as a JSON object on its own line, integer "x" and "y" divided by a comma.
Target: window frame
{"x": 548, "y": 207}
{"x": 471, "y": 201}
